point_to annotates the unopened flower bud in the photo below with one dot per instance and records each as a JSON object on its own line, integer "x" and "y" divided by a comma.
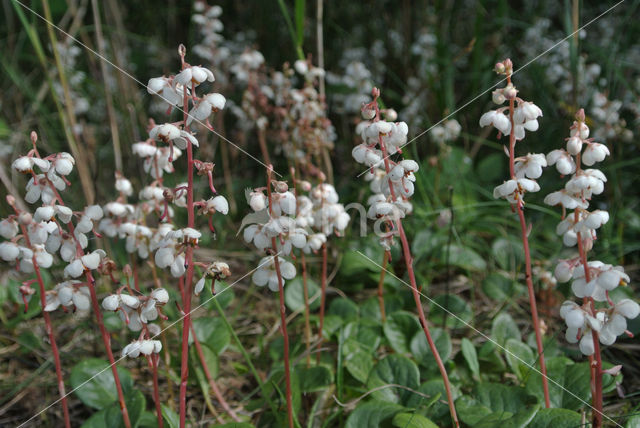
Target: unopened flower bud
{"x": 499, "y": 68}
{"x": 498, "y": 97}
{"x": 390, "y": 114}
{"x": 580, "y": 115}
{"x": 25, "y": 218}
{"x": 368, "y": 113}
{"x": 510, "y": 92}
{"x": 280, "y": 186}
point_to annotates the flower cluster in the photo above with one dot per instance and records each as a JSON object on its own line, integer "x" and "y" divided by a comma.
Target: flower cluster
{"x": 526, "y": 169}
{"x": 273, "y": 227}
{"x": 391, "y": 181}
{"x": 591, "y": 281}
{"x": 137, "y": 311}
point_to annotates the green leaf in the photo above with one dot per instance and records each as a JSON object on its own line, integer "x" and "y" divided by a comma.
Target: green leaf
{"x": 491, "y": 168}
{"x": 426, "y": 242}
{"x": 398, "y": 370}
{"x": 489, "y": 398}
{"x": 171, "y": 418}
{"x": 464, "y": 258}
{"x": 100, "y": 389}
{"x": 507, "y": 253}
{"x": 372, "y": 414}
{"x": 314, "y": 379}
{"x": 556, "y": 418}
{"x": 148, "y": 420}
{"x": 368, "y": 336}
{"x": 412, "y": 420}
{"x": 521, "y": 419}
{"x": 519, "y": 357}
{"x": 294, "y": 294}
{"x": 344, "y": 308}
{"x": 111, "y": 416}
{"x": 212, "y": 332}
{"x": 499, "y": 287}
{"x": 399, "y": 330}
{"x": 422, "y": 352}
{"x": 236, "y": 425}
{"x": 571, "y": 386}
{"x": 431, "y": 399}
{"x": 633, "y": 422}
{"x": 503, "y": 328}
{"x": 357, "y": 359}
{"x": 447, "y": 304}
{"x": 470, "y": 356}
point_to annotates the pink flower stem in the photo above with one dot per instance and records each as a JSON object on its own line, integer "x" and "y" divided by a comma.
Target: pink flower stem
{"x": 106, "y": 339}
{"x": 408, "y": 258}
{"x": 596, "y": 369}
{"x": 212, "y": 382}
{"x": 283, "y": 315}
{"x": 527, "y": 258}
{"x": 305, "y": 285}
{"x": 49, "y": 329}
{"x": 186, "y": 322}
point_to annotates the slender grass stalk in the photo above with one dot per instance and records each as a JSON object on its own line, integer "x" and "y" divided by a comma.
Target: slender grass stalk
{"x": 527, "y": 256}
{"x": 211, "y": 380}
{"x": 154, "y": 360}
{"x": 323, "y": 298}
{"x": 77, "y": 151}
{"x": 383, "y": 271}
{"x": 47, "y": 322}
{"x": 113, "y": 124}
{"x": 247, "y": 358}
{"x": 283, "y": 315}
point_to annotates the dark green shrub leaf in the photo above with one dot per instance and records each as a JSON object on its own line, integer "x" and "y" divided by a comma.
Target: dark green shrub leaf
{"x": 371, "y": 414}
{"x": 399, "y": 330}
{"x": 99, "y": 391}
{"x": 398, "y": 370}
{"x": 211, "y": 332}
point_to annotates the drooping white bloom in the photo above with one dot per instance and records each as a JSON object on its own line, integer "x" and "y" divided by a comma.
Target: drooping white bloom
{"x": 513, "y": 190}
{"x": 595, "y": 152}
{"x": 266, "y": 272}
{"x": 530, "y": 166}
{"x": 194, "y": 75}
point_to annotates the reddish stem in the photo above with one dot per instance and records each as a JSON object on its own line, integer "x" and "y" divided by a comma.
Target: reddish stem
{"x": 305, "y": 285}
{"x": 212, "y": 382}
{"x": 184, "y": 369}
{"x": 283, "y": 317}
{"x": 96, "y": 308}
{"x": 49, "y": 329}
{"x": 596, "y": 369}
{"x": 106, "y": 339}
{"x": 527, "y": 259}
{"x": 408, "y": 258}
